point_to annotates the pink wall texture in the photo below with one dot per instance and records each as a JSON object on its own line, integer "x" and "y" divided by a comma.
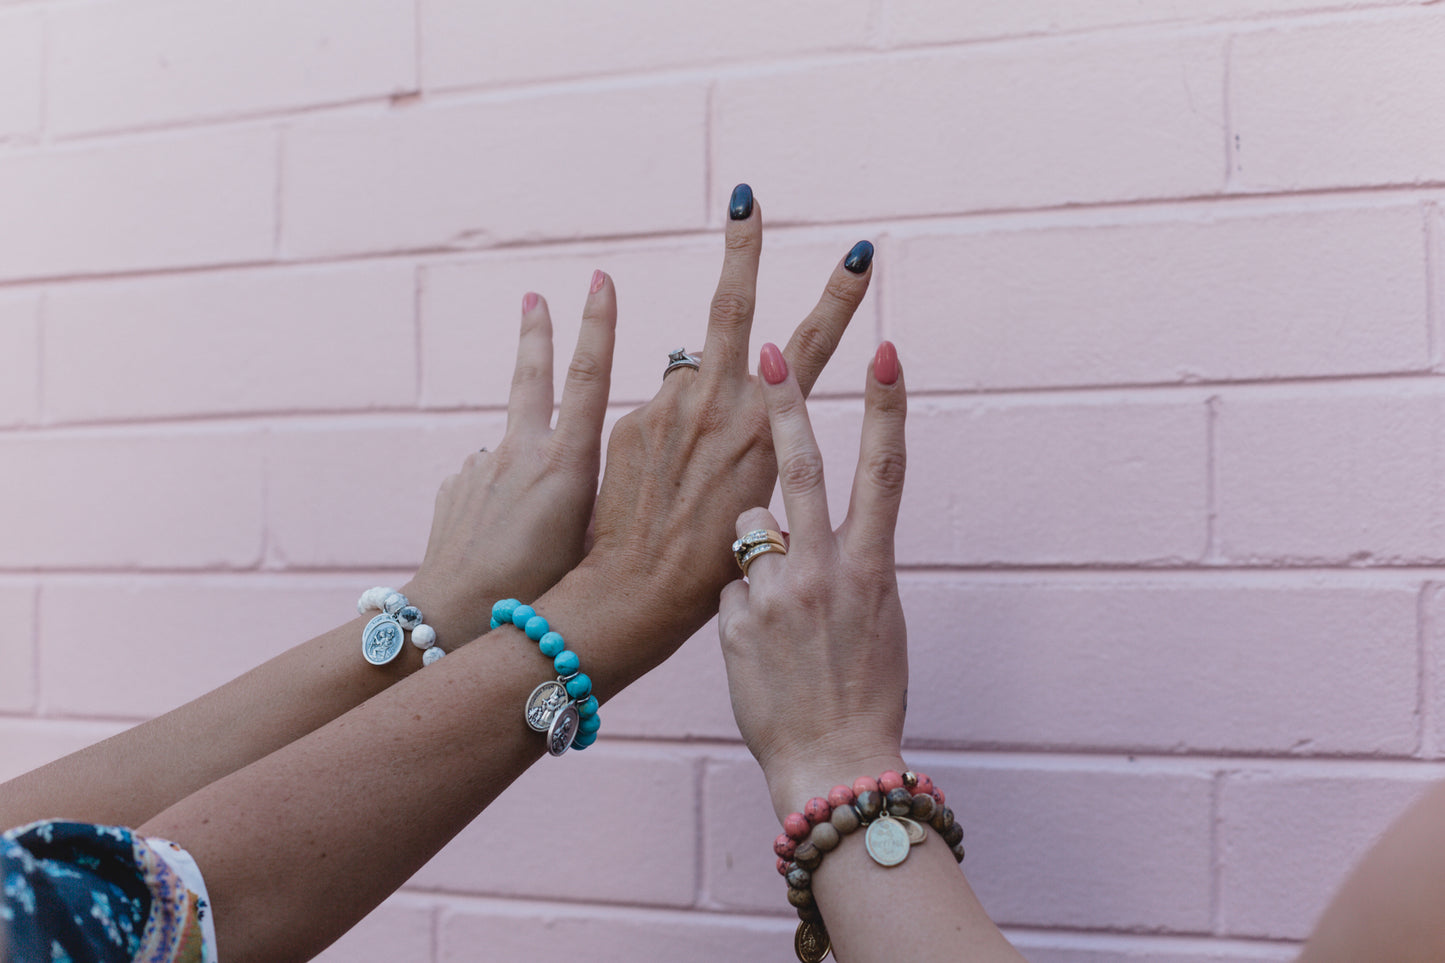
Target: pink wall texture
{"x": 1166, "y": 282}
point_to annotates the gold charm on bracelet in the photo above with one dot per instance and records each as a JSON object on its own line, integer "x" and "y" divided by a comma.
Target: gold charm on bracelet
{"x": 811, "y": 942}
{"x": 887, "y": 840}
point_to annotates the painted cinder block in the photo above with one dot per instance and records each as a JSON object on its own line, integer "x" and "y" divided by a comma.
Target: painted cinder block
{"x": 17, "y": 648}
{"x": 1043, "y": 481}
{"x": 983, "y": 129}
{"x": 1339, "y": 105}
{"x": 162, "y": 499}
{"x": 481, "y": 174}
{"x": 471, "y": 310}
{"x": 1432, "y": 632}
{"x": 929, "y": 22}
{"x": 162, "y": 61}
{"x": 464, "y": 44}
{"x": 684, "y": 698}
{"x": 516, "y": 931}
{"x": 177, "y": 200}
{"x": 1165, "y": 666}
{"x": 1287, "y": 842}
{"x": 632, "y": 842}
{"x": 360, "y": 492}
{"x": 22, "y": 46}
{"x": 1285, "y": 295}
{"x": 1344, "y": 476}
{"x": 1064, "y": 846}
{"x": 20, "y": 345}
{"x": 248, "y": 341}
{"x": 93, "y": 664}
{"x": 1110, "y": 948}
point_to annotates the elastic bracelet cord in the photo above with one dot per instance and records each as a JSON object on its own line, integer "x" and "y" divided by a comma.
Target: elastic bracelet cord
{"x": 383, "y": 637}
{"x": 565, "y": 709}
{"x": 894, "y": 807}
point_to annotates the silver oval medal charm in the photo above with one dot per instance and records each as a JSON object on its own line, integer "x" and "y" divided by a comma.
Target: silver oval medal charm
{"x": 544, "y": 703}
{"x": 563, "y": 730}
{"x": 382, "y": 639}
{"x": 887, "y": 841}
{"x": 916, "y": 833}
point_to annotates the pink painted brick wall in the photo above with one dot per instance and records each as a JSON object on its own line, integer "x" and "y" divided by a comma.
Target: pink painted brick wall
{"x": 1166, "y": 280}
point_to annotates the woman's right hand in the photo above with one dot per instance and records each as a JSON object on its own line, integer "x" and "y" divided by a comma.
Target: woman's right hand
{"x": 814, "y": 640}
{"x": 514, "y": 519}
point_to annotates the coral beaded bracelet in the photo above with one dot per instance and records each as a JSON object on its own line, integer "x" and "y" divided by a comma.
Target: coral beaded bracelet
{"x": 894, "y": 807}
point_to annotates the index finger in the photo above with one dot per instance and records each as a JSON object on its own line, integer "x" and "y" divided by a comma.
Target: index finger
{"x": 730, "y": 319}
{"x": 817, "y": 337}
{"x": 800, "y": 463}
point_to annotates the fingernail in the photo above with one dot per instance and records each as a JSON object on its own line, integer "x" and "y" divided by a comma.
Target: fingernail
{"x": 740, "y": 208}
{"x": 772, "y": 365}
{"x": 597, "y": 280}
{"x": 529, "y": 302}
{"x": 885, "y": 364}
{"x": 860, "y": 257}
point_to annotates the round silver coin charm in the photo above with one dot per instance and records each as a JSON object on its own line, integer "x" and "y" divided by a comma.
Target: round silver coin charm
{"x": 382, "y": 639}
{"x": 887, "y": 841}
{"x": 564, "y": 729}
{"x": 544, "y": 703}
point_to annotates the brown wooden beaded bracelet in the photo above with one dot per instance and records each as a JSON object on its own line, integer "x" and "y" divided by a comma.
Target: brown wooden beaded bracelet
{"x": 891, "y": 806}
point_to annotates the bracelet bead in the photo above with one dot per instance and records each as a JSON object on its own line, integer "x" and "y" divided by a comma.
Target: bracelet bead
{"x": 588, "y": 707}
{"x": 899, "y": 801}
{"x": 953, "y": 835}
{"x": 845, "y": 819}
{"x": 536, "y": 627}
{"x": 890, "y": 781}
{"x": 864, "y": 784}
{"x": 840, "y": 796}
{"x": 566, "y": 662}
{"x": 551, "y": 645}
{"x": 579, "y": 686}
{"x": 801, "y": 898}
{"x": 817, "y": 810}
{"x": 784, "y": 846}
{"x": 423, "y": 637}
{"x": 798, "y": 877}
{"x": 923, "y": 808}
{"x": 870, "y": 804}
{"x": 942, "y": 819}
{"x": 923, "y": 786}
{"x": 431, "y": 655}
{"x": 783, "y": 866}
{"x": 521, "y": 614}
{"x": 808, "y": 856}
{"x": 957, "y": 851}
{"x": 825, "y": 836}
{"x": 796, "y": 826}
{"x": 503, "y": 609}
{"x": 589, "y": 724}
{"x": 583, "y": 739}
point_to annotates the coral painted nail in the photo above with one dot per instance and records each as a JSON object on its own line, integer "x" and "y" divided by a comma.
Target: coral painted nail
{"x": 529, "y": 302}
{"x": 885, "y": 364}
{"x": 597, "y": 280}
{"x": 774, "y": 369}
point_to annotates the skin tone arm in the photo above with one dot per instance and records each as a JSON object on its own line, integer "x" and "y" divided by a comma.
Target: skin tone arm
{"x": 511, "y": 521}
{"x": 353, "y": 809}
{"x": 817, "y": 663}
{"x": 1389, "y": 907}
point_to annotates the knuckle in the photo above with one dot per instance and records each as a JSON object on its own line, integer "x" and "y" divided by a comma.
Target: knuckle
{"x": 527, "y": 373}
{"x": 801, "y": 473}
{"x": 732, "y": 307}
{"x": 585, "y": 370}
{"x": 739, "y": 242}
{"x": 885, "y": 470}
{"x": 815, "y": 342}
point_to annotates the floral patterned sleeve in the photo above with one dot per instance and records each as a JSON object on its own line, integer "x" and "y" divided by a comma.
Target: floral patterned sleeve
{"x": 79, "y": 893}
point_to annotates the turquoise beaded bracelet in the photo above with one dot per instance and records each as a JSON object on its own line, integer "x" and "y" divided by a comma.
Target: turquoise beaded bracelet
{"x": 565, "y": 709}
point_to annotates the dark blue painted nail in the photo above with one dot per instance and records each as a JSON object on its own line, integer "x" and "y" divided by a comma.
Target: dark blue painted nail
{"x": 740, "y": 208}
{"x": 859, "y": 258}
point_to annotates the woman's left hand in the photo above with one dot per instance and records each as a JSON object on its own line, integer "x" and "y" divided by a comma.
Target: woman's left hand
{"x": 515, "y": 518}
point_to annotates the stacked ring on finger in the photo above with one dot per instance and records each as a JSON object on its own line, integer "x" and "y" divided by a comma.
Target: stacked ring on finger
{"x": 681, "y": 359}
{"x": 749, "y": 547}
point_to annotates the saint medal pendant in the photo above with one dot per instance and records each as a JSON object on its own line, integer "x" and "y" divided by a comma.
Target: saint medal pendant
{"x": 916, "y": 833}
{"x": 887, "y": 841}
{"x": 382, "y": 639}
{"x": 811, "y": 942}
{"x": 563, "y": 730}
{"x": 544, "y": 703}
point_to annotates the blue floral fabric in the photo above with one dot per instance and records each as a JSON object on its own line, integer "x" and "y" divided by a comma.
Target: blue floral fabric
{"x": 80, "y": 893}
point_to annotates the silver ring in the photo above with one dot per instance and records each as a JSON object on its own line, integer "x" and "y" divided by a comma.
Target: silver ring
{"x": 681, "y": 359}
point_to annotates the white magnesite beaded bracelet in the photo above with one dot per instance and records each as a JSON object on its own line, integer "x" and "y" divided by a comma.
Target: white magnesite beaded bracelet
{"x": 383, "y": 637}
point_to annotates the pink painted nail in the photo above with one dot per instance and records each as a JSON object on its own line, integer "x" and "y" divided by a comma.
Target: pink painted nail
{"x": 597, "y": 280}
{"x": 772, "y": 365}
{"x": 529, "y": 302}
{"x": 885, "y": 364}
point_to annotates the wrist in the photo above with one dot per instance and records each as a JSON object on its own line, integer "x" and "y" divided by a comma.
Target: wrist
{"x": 791, "y": 783}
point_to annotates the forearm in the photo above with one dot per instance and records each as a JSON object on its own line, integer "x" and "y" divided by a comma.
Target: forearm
{"x": 129, "y": 778}
{"x": 356, "y": 807}
{"x": 931, "y": 915}
{"x": 1389, "y": 907}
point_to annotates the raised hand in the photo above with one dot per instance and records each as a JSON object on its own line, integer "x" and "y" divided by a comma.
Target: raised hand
{"x": 514, "y": 519}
